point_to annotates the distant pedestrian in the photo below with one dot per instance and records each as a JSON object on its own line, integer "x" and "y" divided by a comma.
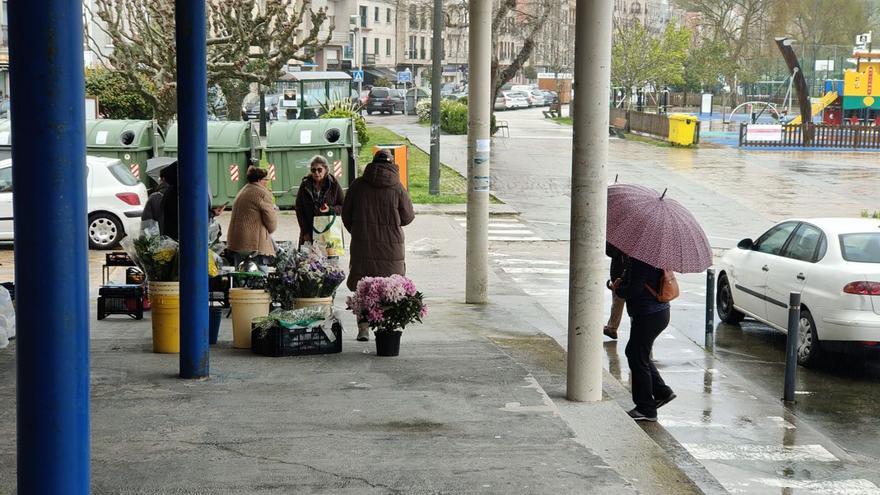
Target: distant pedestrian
{"x": 619, "y": 261}
{"x": 153, "y": 207}
{"x": 254, "y": 219}
{"x": 649, "y": 317}
{"x": 319, "y": 194}
{"x": 165, "y": 203}
{"x": 374, "y": 211}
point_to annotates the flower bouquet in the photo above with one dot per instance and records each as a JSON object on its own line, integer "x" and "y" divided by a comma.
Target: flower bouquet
{"x": 155, "y": 254}
{"x": 306, "y": 273}
{"x": 388, "y": 305}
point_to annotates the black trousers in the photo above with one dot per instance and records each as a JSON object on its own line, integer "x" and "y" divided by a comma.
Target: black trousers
{"x": 647, "y": 384}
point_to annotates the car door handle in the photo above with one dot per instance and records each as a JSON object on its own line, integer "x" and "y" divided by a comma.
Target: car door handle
{"x": 800, "y": 276}
{"x": 765, "y": 268}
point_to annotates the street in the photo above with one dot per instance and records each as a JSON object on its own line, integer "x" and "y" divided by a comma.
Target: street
{"x": 729, "y": 416}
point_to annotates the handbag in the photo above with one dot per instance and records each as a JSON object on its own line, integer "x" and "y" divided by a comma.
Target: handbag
{"x": 327, "y": 230}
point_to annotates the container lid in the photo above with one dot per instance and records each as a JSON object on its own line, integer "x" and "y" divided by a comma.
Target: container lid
{"x": 222, "y": 136}
{"x": 322, "y": 133}
{"x": 108, "y": 134}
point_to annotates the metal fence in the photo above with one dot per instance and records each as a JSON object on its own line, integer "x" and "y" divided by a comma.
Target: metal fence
{"x": 823, "y": 136}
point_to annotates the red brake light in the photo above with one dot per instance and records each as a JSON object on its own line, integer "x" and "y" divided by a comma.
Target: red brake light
{"x": 863, "y": 288}
{"x": 130, "y": 198}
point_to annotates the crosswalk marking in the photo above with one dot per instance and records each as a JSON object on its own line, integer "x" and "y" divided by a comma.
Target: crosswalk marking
{"x": 548, "y": 271}
{"x": 506, "y": 229}
{"x": 849, "y": 487}
{"x": 731, "y": 452}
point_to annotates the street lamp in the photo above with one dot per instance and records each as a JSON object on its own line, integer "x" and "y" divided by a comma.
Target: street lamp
{"x": 355, "y": 29}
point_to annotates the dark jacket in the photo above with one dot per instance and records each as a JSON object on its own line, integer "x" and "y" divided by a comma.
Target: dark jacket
{"x": 309, "y": 202}
{"x": 375, "y": 208}
{"x": 153, "y": 208}
{"x": 639, "y": 301}
{"x": 619, "y": 261}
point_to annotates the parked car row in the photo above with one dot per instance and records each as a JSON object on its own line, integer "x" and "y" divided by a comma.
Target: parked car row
{"x": 525, "y": 98}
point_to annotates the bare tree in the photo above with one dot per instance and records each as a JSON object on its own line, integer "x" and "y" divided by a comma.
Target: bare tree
{"x": 249, "y": 41}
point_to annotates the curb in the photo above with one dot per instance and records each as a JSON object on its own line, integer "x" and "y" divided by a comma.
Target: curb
{"x": 461, "y": 209}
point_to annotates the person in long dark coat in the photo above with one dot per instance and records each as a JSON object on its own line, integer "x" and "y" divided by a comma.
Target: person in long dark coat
{"x": 374, "y": 211}
{"x": 319, "y": 193}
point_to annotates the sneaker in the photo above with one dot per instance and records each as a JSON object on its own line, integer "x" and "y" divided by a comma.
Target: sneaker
{"x": 363, "y": 334}
{"x": 636, "y": 415}
{"x": 610, "y": 332}
{"x": 663, "y": 402}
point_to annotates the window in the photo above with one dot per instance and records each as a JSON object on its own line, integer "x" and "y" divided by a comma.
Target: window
{"x": 363, "y": 11}
{"x": 424, "y": 19}
{"x": 411, "y": 53}
{"x": 422, "y": 50}
{"x": 388, "y": 47}
{"x": 861, "y": 248}
{"x": 363, "y": 49}
{"x": 388, "y": 16}
{"x": 376, "y": 14}
{"x": 635, "y": 8}
{"x": 804, "y": 243}
{"x": 6, "y": 179}
{"x": 773, "y": 240}
{"x": 122, "y": 174}
{"x": 376, "y": 46}
{"x": 413, "y": 16}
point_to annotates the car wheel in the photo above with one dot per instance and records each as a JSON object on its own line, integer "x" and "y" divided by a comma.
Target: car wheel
{"x": 724, "y": 302}
{"x": 105, "y": 231}
{"x": 809, "y": 348}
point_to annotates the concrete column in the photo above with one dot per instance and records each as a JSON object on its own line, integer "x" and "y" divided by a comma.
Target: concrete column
{"x": 586, "y": 293}
{"x": 51, "y": 246}
{"x": 437, "y": 69}
{"x": 192, "y": 102}
{"x": 479, "y": 100}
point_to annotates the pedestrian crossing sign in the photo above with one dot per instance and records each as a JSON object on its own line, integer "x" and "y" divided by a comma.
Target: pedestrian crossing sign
{"x": 357, "y": 75}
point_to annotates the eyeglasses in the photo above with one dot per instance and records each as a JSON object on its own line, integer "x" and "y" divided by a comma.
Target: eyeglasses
{"x": 316, "y": 170}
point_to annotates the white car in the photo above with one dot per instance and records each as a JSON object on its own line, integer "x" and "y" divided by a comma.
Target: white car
{"x": 514, "y": 99}
{"x": 833, "y": 262}
{"x": 115, "y": 201}
{"x": 536, "y": 98}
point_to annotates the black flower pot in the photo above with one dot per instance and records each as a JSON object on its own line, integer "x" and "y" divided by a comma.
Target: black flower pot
{"x": 388, "y": 343}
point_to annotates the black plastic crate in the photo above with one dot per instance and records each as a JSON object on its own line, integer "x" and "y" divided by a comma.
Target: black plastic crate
{"x": 279, "y": 341}
{"x": 121, "y": 300}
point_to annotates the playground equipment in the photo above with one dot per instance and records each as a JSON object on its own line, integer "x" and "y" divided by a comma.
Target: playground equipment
{"x": 827, "y": 99}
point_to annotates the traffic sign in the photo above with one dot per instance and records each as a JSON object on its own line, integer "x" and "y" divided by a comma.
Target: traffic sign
{"x": 404, "y": 77}
{"x": 357, "y": 75}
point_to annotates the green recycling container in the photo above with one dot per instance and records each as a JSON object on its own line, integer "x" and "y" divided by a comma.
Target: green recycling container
{"x": 132, "y": 141}
{"x": 291, "y": 144}
{"x": 5, "y": 139}
{"x": 230, "y": 151}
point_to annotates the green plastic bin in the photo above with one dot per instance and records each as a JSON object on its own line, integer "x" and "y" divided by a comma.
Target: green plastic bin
{"x": 291, "y": 144}
{"x": 132, "y": 141}
{"x": 5, "y": 139}
{"x": 230, "y": 152}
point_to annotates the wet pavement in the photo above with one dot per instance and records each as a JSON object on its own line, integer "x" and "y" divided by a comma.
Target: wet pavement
{"x": 729, "y": 418}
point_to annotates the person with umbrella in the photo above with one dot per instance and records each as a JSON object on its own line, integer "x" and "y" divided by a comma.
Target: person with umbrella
{"x": 162, "y": 205}
{"x": 660, "y": 236}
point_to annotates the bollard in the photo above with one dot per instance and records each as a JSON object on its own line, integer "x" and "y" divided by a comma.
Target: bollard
{"x": 791, "y": 341}
{"x": 710, "y": 308}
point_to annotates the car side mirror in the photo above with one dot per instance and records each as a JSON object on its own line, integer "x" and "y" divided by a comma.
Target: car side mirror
{"x": 746, "y": 244}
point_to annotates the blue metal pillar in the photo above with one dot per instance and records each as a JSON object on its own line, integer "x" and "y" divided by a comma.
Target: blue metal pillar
{"x": 51, "y": 263}
{"x": 192, "y": 112}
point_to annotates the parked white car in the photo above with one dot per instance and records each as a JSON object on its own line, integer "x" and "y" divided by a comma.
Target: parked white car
{"x": 536, "y": 98}
{"x": 833, "y": 262}
{"x": 509, "y": 100}
{"x": 115, "y": 201}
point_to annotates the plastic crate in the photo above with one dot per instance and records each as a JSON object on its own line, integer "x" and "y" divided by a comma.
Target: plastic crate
{"x": 118, "y": 258}
{"x": 280, "y": 341}
{"x": 121, "y": 300}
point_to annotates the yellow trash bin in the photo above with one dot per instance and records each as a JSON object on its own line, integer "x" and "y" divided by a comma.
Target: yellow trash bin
{"x": 165, "y": 315}
{"x": 246, "y": 304}
{"x": 682, "y": 129}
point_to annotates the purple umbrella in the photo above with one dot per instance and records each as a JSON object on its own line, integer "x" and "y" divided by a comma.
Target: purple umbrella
{"x": 658, "y": 230}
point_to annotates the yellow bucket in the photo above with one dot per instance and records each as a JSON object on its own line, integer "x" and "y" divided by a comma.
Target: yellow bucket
{"x": 305, "y": 302}
{"x": 246, "y": 304}
{"x": 165, "y": 314}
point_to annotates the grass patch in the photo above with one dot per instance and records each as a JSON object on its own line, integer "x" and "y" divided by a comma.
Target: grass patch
{"x": 562, "y": 120}
{"x": 453, "y": 187}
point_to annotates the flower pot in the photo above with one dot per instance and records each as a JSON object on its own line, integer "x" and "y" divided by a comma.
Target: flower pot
{"x": 306, "y": 302}
{"x": 165, "y": 302}
{"x": 388, "y": 343}
{"x": 215, "y": 314}
{"x": 246, "y": 304}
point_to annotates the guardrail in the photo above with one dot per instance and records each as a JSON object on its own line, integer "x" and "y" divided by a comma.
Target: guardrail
{"x": 823, "y": 136}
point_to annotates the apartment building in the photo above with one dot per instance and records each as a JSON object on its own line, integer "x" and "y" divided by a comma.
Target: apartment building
{"x": 4, "y": 50}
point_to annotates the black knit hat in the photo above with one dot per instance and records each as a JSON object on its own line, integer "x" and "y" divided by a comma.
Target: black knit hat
{"x": 383, "y": 156}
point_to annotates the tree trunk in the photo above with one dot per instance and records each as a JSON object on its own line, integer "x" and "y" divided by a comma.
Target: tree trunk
{"x": 234, "y": 90}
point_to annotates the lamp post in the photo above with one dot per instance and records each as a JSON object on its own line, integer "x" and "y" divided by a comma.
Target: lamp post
{"x": 355, "y": 30}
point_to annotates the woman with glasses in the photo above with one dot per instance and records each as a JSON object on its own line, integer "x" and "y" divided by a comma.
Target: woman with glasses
{"x": 319, "y": 195}
{"x": 254, "y": 219}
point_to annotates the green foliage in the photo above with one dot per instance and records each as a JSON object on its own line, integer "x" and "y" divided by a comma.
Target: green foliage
{"x": 530, "y": 73}
{"x": 463, "y": 100}
{"x": 423, "y": 110}
{"x": 346, "y": 109}
{"x": 640, "y": 57}
{"x": 383, "y": 82}
{"x": 453, "y": 117}
{"x": 118, "y": 98}
{"x": 870, "y": 214}
{"x": 706, "y": 66}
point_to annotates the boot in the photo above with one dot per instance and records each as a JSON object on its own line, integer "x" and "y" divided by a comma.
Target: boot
{"x": 363, "y": 332}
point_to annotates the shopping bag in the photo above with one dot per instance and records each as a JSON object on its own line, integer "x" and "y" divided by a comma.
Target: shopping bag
{"x": 327, "y": 231}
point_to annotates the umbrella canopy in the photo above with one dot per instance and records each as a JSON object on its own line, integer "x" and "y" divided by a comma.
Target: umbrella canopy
{"x": 655, "y": 229}
{"x": 155, "y": 165}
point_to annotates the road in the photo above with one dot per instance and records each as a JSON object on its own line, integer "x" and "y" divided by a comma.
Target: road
{"x": 728, "y": 417}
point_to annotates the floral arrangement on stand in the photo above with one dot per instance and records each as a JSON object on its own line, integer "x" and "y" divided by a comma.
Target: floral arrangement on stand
{"x": 157, "y": 255}
{"x": 388, "y": 304}
{"x": 305, "y": 273}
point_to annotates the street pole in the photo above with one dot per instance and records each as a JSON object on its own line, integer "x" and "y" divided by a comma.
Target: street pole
{"x": 51, "y": 262}
{"x": 586, "y": 292}
{"x": 436, "y": 68}
{"x": 192, "y": 192}
{"x": 479, "y": 63}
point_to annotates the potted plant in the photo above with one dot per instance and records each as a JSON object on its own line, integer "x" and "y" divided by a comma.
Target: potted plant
{"x": 388, "y": 305}
{"x": 304, "y": 278}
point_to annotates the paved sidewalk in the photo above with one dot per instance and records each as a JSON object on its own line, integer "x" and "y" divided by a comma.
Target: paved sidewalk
{"x": 473, "y": 405}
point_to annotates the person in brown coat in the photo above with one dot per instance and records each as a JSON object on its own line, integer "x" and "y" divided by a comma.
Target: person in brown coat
{"x": 254, "y": 218}
{"x": 374, "y": 212}
{"x": 318, "y": 194}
